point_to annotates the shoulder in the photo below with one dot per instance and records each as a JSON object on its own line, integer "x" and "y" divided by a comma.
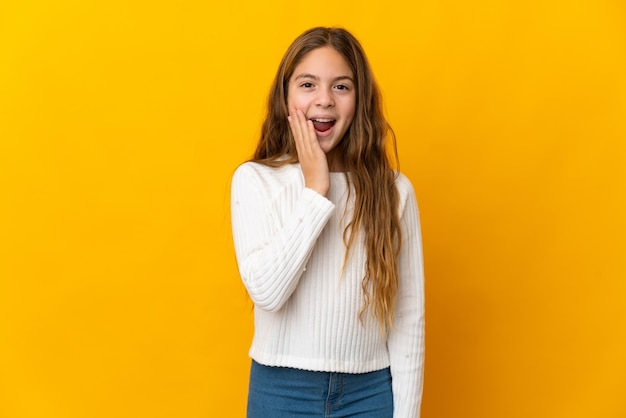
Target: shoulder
{"x": 406, "y": 192}
{"x": 254, "y": 169}
{"x": 264, "y": 176}
{"x": 404, "y": 186}
{"x": 250, "y": 168}
{"x": 403, "y": 183}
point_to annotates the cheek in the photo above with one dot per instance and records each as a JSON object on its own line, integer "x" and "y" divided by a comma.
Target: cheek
{"x": 293, "y": 98}
{"x": 296, "y": 101}
{"x": 349, "y": 106}
{"x": 350, "y": 112}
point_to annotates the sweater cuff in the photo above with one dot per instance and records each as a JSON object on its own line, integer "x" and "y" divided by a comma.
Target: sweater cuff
{"x": 317, "y": 200}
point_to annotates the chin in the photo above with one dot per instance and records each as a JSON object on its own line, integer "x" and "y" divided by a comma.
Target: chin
{"x": 328, "y": 147}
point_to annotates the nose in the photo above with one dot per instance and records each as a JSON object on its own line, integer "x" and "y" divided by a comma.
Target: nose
{"x": 324, "y": 98}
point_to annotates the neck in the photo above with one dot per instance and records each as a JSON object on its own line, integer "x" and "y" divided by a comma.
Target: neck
{"x": 335, "y": 162}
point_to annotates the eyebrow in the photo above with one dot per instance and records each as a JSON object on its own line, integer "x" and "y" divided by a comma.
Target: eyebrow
{"x": 316, "y": 78}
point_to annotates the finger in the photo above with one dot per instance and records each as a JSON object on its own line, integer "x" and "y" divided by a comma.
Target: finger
{"x": 308, "y": 132}
{"x": 296, "y": 130}
{"x": 312, "y": 136}
{"x": 300, "y": 132}
{"x": 293, "y": 122}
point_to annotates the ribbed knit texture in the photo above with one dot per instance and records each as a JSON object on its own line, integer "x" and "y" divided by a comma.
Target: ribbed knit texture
{"x": 290, "y": 251}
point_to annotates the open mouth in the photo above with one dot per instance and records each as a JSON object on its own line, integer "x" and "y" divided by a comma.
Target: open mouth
{"x": 322, "y": 125}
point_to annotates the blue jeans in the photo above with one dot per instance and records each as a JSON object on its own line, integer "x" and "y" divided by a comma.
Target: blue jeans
{"x": 283, "y": 392}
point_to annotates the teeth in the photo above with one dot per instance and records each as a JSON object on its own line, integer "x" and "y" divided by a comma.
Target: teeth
{"x": 322, "y": 120}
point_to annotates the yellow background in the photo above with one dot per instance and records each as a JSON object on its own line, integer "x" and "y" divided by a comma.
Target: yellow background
{"x": 121, "y": 123}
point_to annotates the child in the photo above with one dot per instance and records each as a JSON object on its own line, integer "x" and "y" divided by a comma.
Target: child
{"x": 328, "y": 245}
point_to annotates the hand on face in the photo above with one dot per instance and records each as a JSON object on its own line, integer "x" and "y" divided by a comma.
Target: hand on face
{"x": 311, "y": 156}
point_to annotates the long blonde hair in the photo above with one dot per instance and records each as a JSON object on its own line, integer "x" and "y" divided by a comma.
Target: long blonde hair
{"x": 365, "y": 152}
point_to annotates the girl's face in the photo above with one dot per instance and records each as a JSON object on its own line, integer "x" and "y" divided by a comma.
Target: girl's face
{"x": 322, "y": 87}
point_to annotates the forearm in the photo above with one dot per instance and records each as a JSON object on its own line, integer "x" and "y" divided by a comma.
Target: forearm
{"x": 271, "y": 252}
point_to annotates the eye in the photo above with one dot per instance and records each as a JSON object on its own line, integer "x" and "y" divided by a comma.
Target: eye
{"x": 342, "y": 87}
{"x": 306, "y": 85}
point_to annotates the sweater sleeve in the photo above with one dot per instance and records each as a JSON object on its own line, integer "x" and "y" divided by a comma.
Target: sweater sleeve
{"x": 273, "y": 248}
{"x": 406, "y": 339}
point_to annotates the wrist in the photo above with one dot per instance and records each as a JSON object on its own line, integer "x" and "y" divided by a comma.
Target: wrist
{"x": 320, "y": 188}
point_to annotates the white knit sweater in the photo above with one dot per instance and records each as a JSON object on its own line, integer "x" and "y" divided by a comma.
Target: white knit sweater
{"x": 290, "y": 251}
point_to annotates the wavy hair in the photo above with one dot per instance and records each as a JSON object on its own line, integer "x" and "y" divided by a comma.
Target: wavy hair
{"x": 366, "y": 149}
